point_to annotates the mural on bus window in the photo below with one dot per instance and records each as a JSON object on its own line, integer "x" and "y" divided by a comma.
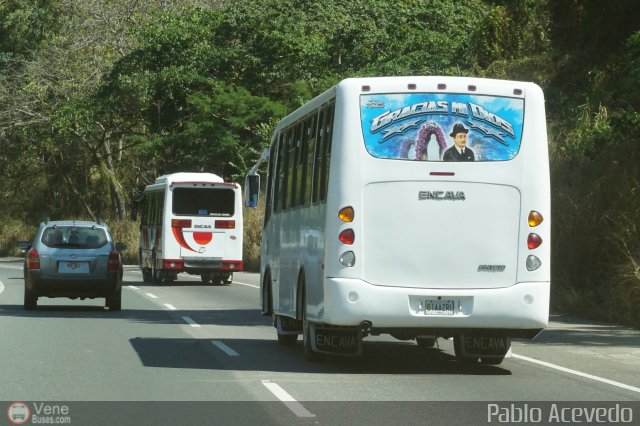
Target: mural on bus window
{"x": 442, "y": 127}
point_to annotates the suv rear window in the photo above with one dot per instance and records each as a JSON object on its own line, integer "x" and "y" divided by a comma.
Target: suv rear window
{"x": 74, "y": 236}
{"x": 423, "y": 126}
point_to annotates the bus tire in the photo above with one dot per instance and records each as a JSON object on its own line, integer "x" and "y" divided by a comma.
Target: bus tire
{"x": 309, "y": 353}
{"x": 492, "y": 360}
{"x": 426, "y": 342}
{"x": 457, "y": 348}
{"x": 284, "y": 339}
{"x": 156, "y": 277}
{"x": 267, "y": 299}
{"x": 146, "y": 275}
{"x": 205, "y": 278}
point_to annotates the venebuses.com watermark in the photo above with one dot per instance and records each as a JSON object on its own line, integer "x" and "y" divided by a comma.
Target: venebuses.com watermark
{"x": 558, "y": 413}
{"x": 20, "y": 413}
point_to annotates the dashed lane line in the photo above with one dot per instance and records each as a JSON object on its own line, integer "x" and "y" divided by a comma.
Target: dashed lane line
{"x": 191, "y": 322}
{"x": 151, "y": 295}
{"x": 224, "y": 348}
{"x": 169, "y": 306}
{"x": 288, "y": 400}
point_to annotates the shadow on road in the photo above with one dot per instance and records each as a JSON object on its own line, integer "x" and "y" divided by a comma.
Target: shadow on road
{"x": 267, "y": 355}
{"x": 228, "y": 317}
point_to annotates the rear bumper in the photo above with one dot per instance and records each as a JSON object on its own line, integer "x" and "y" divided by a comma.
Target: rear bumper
{"x": 70, "y": 286}
{"x": 207, "y": 266}
{"x": 521, "y": 310}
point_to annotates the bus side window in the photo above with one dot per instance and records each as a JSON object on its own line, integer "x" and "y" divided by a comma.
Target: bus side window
{"x": 328, "y": 125}
{"x": 280, "y": 189}
{"x": 269, "y": 189}
{"x": 318, "y": 155}
{"x": 160, "y": 209}
{"x": 309, "y": 140}
{"x": 144, "y": 213}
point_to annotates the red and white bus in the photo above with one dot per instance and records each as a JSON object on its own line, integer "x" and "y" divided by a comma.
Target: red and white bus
{"x": 190, "y": 222}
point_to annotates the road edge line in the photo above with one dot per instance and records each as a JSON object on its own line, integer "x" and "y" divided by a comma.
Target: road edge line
{"x": 578, "y": 373}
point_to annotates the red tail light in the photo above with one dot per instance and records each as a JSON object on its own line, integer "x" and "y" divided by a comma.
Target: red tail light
{"x": 347, "y": 236}
{"x": 177, "y": 264}
{"x": 33, "y": 259}
{"x": 225, "y": 224}
{"x": 181, "y": 223}
{"x": 534, "y": 241}
{"x": 114, "y": 261}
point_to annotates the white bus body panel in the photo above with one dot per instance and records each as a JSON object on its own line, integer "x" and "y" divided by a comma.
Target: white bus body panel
{"x": 408, "y": 249}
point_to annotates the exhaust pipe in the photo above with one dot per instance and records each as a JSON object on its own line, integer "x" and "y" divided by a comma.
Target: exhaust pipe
{"x": 365, "y": 328}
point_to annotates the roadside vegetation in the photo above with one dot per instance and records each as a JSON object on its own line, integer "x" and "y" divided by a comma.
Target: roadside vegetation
{"x": 99, "y": 98}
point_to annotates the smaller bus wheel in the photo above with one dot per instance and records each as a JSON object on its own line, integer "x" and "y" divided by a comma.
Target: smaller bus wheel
{"x": 205, "y": 278}
{"x": 146, "y": 275}
{"x": 229, "y": 279}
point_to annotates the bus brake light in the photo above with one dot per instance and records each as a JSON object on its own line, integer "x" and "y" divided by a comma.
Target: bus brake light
{"x": 347, "y": 236}
{"x": 533, "y": 241}
{"x": 225, "y": 224}
{"x": 181, "y": 223}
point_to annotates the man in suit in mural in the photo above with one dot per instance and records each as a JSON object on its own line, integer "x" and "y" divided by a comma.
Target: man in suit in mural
{"x": 459, "y": 151}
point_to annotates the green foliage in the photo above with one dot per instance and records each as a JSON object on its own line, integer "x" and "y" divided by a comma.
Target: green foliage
{"x": 97, "y": 99}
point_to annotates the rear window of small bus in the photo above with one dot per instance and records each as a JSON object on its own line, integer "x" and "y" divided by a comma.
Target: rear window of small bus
{"x": 203, "y": 202}
{"x": 424, "y": 126}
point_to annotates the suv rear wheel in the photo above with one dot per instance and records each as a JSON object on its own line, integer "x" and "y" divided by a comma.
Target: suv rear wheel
{"x": 114, "y": 302}
{"x": 30, "y": 300}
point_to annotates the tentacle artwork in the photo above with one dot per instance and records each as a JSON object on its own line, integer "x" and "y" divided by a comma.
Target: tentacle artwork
{"x": 425, "y": 132}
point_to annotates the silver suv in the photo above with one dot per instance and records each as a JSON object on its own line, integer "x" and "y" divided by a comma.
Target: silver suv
{"x": 75, "y": 259}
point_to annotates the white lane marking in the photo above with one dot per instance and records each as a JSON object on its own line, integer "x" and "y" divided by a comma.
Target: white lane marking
{"x": 191, "y": 322}
{"x": 578, "y": 373}
{"x": 170, "y": 307}
{"x": 288, "y": 400}
{"x": 153, "y": 296}
{"x": 133, "y": 287}
{"x": 1, "y": 287}
{"x": 224, "y": 348}
{"x": 248, "y": 285}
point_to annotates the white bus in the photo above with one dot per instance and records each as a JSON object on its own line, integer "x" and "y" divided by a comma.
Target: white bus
{"x": 412, "y": 206}
{"x": 190, "y": 222}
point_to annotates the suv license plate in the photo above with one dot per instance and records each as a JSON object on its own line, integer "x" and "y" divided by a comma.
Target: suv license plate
{"x": 73, "y": 267}
{"x": 439, "y": 307}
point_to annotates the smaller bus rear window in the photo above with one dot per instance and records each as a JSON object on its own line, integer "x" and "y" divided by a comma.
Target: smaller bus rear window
{"x": 203, "y": 202}
{"x": 442, "y": 126}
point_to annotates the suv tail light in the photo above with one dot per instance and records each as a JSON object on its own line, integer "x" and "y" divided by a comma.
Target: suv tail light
{"x": 114, "y": 261}
{"x": 33, "y": 259}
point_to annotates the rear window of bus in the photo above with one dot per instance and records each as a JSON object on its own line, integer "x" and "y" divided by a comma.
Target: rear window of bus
{"x": 424, "y": 126}
{"x": 203, "y": 202}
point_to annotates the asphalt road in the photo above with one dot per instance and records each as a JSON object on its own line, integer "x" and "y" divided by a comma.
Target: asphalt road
{"x": 193, "y": 354}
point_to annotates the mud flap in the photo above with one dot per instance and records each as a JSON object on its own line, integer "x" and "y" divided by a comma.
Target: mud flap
{"x": 345, "y": 341}
{"x": 484, "y": 346}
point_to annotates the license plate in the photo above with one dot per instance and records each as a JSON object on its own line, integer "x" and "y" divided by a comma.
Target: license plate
{"x": 439, "y": 307}
{"x": 73, "y": 267}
